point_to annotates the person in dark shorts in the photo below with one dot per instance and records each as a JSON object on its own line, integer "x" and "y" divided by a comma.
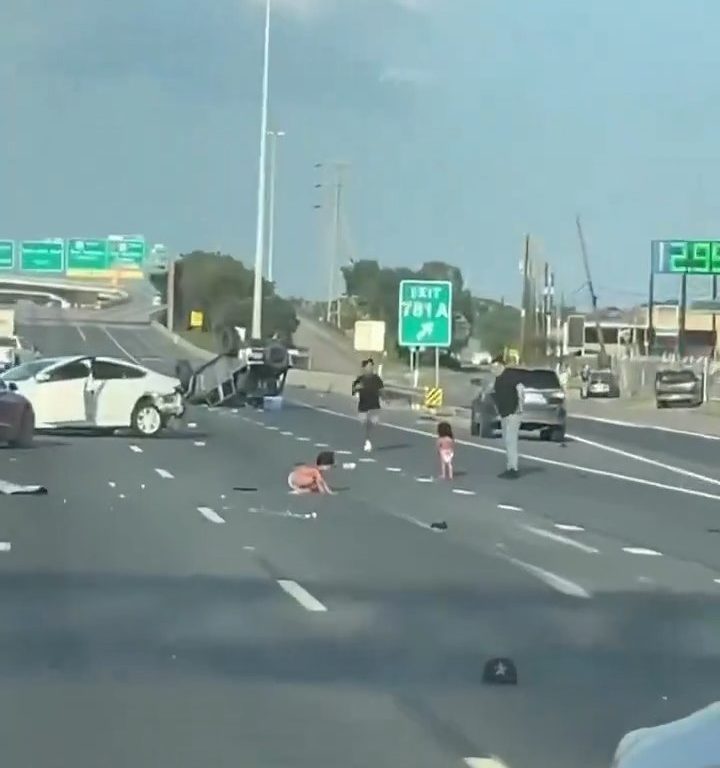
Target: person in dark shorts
{"x": 368, "y": 387}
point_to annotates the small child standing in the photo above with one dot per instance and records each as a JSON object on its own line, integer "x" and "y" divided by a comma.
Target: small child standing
{"x": 446, "y": 450}
{"x": 307, "y": 478}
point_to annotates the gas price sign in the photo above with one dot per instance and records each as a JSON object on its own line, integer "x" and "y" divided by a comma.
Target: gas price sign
{"x": 686, "y": 257}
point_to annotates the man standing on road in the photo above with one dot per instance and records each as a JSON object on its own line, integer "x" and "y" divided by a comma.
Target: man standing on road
{"x": 367, "y": 387}
{"x": 507, "y": 394}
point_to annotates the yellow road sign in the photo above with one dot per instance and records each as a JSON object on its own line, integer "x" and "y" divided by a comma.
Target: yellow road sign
{"x": 196, "y": 318}
{"x": 433, "y": 397}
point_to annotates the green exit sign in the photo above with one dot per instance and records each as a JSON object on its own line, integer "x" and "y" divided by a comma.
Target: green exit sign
{"x": 7, "y": 254}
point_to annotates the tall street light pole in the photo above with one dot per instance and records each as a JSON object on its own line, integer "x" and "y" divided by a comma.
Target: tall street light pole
{"x": 260, "y": 227}
{"x": 274, "y": 136}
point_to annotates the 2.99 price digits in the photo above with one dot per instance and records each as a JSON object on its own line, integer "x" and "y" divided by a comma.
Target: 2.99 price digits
{"x": 695, "y": 257}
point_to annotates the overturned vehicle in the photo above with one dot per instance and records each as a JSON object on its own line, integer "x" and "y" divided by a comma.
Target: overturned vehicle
{"x": 242, "y": 373}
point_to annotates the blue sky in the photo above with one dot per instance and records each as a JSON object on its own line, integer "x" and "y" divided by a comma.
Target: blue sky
{"x": 466, "y": 123}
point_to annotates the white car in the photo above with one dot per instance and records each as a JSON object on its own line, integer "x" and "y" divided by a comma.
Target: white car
{"x": 99, "y": 393}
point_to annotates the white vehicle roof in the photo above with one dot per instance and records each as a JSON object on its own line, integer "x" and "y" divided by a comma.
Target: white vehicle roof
{"x": 692, "y": 742}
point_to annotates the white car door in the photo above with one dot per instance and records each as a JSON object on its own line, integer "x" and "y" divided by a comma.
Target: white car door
{"x": 115, "y": 388}
{"x": 59, "y": 394}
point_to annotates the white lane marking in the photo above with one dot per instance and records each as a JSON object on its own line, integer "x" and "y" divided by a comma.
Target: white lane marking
{"x": 349, "y": 465}
{"x": 538, "y": 459}
{"x": 510, "y": 508}
{"x": 637, "y": 425}
{"x": 308, "y": 602}
{"x": 646, "y": 460}
{"x": 111, "y": 483}
{"x": 248, "y": 548}
{"x": 412, "y": 520}
{"x": 211, "y": 515}
{"x": 568, "y": 527}
{"x": 463, "y": 492}
{"x": 121, "y": 495}
{"x": 235, "y": 410}
{"x": 344, "y": 453}
{"x": 484, "y": 762}
{"x": 322, "y": 445}
{"x": 642, "y": 551}
{"x": 199, "y": 443}
{"x": 423, "y": 480}
{"x": 393, "y": 469}
{"x": 286, "y": 434}
{"x": 560, "y": 539}
{"x": 164, "y": 473}
{"x": 272, "y": 428}
{"x": 192, "y": 425}
{"x": 5, "y": 546}
{"x": 135, "y": 448}
{"x": 367, "y": 460}
{"x": 81, "y": 332}
{"x": 125, "y": 352}
{"x": 303, "y": 439}
{"x": 559, "y": 583}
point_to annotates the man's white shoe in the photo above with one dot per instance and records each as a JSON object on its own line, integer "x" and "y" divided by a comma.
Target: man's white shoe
{"x": 367, "y": 447}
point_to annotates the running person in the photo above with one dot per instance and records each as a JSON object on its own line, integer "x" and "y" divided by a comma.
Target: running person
{"x": 307, "y": 478}
{"x": 368, "y": 387}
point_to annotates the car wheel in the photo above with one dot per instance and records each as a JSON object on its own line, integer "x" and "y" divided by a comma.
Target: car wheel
{"x": 557, "y": 434}
{"x": 660, "y": 404}
{"x": 545, "y": 434}
{"x": 146, "y": 420}
{"x": 486, "y": 429}
{"x": 24, "y": 438}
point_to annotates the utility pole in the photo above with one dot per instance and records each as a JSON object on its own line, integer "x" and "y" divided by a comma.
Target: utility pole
{"x": 603, "y": 359}
{"x": 274, "y": 136}
{"x": 336, "y": 245}
{"x": 548, "y": 306}
{"x": 525, "y": 296}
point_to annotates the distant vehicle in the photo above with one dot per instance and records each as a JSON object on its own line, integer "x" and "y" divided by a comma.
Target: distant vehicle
{"x": 600, "y": 384}
{"x": 17, "y": 418}
{"x": 543, "y": 406}
{"x": 683, "y": 387}
{"x": 98, "y": 393}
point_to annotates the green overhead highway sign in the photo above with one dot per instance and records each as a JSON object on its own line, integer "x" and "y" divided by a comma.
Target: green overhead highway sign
{"x": 42, "y": 255}
{"x": 425, "y": 313}
{"x": 7, "y": 254}
{"x": 126, "y": 252}
{"x": 87, "y": 254}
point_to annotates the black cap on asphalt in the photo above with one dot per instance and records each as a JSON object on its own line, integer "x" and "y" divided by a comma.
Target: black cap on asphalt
{"x": 500, "y": 671}
{"x": 325, "y": 459}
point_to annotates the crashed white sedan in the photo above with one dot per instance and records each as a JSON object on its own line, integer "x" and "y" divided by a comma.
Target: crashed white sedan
{"x": 98, "y": 393}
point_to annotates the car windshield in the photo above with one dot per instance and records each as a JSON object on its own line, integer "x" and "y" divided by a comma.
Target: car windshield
{"x": 602, "y": 377}
{"x": 676, "y": 377}
{"x": 540, "y": 379}
{"x": 25, "y": 371}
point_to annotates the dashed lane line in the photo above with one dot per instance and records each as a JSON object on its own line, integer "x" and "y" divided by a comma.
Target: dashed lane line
{"x": 301, "y": 595}
{"x": 135, "y": 448}
{"x": 642, "y": 551}
{"x": 537, "y": 459}
{"x": 164, "y": 473}
{"x": 125, "y": 351}
{"x": 286, "y": 433}
{"x": 510, "y": 508}
{"x": 463, "y": 492}
{"x": 553, "y": 580}
{"x": 560, "y": 539}
{"x": 211, "y": 515}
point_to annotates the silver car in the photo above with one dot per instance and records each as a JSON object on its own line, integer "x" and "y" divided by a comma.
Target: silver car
{"x": 543, "y": 407}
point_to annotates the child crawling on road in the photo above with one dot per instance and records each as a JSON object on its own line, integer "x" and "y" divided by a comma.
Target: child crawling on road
{"x": 446, "y": 450}
{"x": 307, "y": 478}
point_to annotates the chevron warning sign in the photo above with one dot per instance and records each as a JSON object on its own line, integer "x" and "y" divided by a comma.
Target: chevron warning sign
{"x": 433, "y": 397}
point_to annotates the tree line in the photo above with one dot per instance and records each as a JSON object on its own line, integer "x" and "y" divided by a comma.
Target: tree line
{"x": 372, "y": 293}
{"x": 221, "y": 287}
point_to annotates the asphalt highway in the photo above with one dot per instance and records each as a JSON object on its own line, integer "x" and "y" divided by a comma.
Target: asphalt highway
{"x": 156, "y": 616}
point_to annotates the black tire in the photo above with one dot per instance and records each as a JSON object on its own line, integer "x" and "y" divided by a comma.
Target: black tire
{"x": 142, "y": 418}
{"x": 557, "y": 434}
{"x": 661, "y": 404}
{"x": 24, "y": 437}
{"x": 546, "y": 435}
{"x": 486, "y": 429}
